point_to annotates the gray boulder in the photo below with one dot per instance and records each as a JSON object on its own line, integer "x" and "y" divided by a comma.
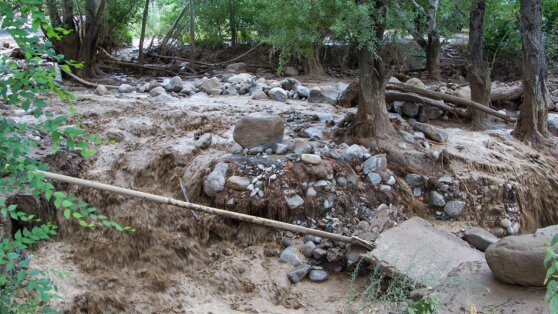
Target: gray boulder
{"x": 302, "y": 91}
{"x": 479, "y": 238}
{"x": 519, "y": 260}
{"x": 315, "y": 95}
{"x": 242, "y": 78}
{"x": 548, "y": 231}
{"x": 259, "y": 129}
{"x": 125, "y": 88}
{"x": 410, "y": 109}
{"x": 292, "y": 256}
{"x": 188, "y": 89}
{"x": 436, "y": 199}
{"x": 173, "y": 85}
{"x": 415, "y": 82}
{"x": 415, "y": 180}
{"x": 294, "y": 201}
{"x": 258, "y": 92}
{"x": 318, "y": 275}
{"x": 278, "y": 94}
{"x": 215, "y": 181}
{"x": 204, "y": 141}
{"x": 376, "y": 163}
{"x": 454, "y": 208}
{"x": 211, "y": 86}
{"x": 299, "y": 273}
{"x": 236, "y": 67}
{"x": 157, "y": 91}
{"x": 100, "y": 90}
{"x": 238, "y": 183}
{"x": 289, "y": 83}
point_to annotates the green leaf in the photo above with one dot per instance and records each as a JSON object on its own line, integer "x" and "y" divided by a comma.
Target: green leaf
{"x": 67, "y": 214}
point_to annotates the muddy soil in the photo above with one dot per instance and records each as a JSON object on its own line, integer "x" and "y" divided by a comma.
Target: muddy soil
{"x": 176, "y": 264}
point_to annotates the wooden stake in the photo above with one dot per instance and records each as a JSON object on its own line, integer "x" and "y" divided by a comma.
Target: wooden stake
{"x": 208, "y": 210}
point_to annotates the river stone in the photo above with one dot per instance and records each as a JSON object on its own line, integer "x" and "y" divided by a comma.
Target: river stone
{"x": 279, "y": 149}
{"x": 302, "y": 91}
{"x": 437, "y": 199}
{"x": 479, "y": 238}
{"x": 519, "y": 260}
{"x": 236, "y": 67}
{"x": 433, "y": 113}
{"x": 553, "y": 123}
{"x": 259, "y": 129}
{"x": 292, "y": 256}
{"x": 154, "y": 92}
{"x": 315, "y": 95}
{"x": 376, "y": 163}
{"x": 278, "y": 94}
{"x": 374, "y": 178}
{"x": 418, "y": 251}
{"x": 204, "y": 141}
{"x": 242, "y": 78}
{"x": 430, "y": 131}
{"x": 318, "y": 275}
{"x": 311, "y": 159}
{"x": 300, "y": 273}
{"x": 415, "y": 180}
{"x": 308, "y": 248}
{"x": 410, "y": 109}
{"x": 294, "y": 201}
{"x": 101, "y": 90}
{"x": 355, "y": 151}
{"x": 454, "y": 208}
{"x": 173, "y": 85}
{"x": 125, "y": 88}
{"x": 415, "y": 82}
{"x": 188, "y": 89}
{"x": 238, "y": 183}
{"x": 215, "y": 181}
{"x": 289, "y": 83}
{"x": 211, "y": 86}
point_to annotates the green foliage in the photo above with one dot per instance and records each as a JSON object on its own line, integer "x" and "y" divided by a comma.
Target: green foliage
{"x": 426, "y": 305}
{"x": 23, "y": 289}
{"x": 551, "y": 281}
{"x": 120, "y": 15}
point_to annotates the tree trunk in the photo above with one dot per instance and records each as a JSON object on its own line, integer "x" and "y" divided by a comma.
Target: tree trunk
{"x": 372, "y": 117}
{"x": 69, "y": 44}
{"x": 433, "y": 47}
{"x": 87, "y": 55}
{"x": 477, "y": 71}
{"x": 192, "y": 33}
{"x": 313, "y": 66}
{"x": 232, "y": 23}
{"x": 532, "y": 125}
{"x": 167, "y": 37}
{"x": 142, "y": 36}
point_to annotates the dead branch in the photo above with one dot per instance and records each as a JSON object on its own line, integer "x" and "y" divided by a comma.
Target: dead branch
{"x": 135, "y": 65}
{"x": 410, "y": 97}
{"x": 87, "y": 83}
{"x": 501, "y": 94}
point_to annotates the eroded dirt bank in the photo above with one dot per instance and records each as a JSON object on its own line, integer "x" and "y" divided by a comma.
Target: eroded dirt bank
{"x": 175, "y": 263}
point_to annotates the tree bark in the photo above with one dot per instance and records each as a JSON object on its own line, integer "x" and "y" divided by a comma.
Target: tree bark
{"x": 477, "y": 71}
{"x": 142, "y": 36}
{"x": 232, "y": 23}
{"x": 532, "y": 125}
{"x": 313, "y": 66}
{"x": 372, "y": 119}
{"x": 94, "y": 10}
{"x": 433, "y": 47}
{"x": 192, "y": 32}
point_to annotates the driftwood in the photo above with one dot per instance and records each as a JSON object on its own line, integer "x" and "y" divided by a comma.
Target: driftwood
{"x": 209, "y": 210}
{"x": 448, "y": 98}
{"x": 135, "y": 65}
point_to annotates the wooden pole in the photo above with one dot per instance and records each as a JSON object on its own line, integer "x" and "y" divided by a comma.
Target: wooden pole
{"x": 207, "y": 210}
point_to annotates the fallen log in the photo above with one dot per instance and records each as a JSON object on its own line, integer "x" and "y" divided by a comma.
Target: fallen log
{"x": 135, "y": 65}
{"x": 209, "y": 210}
{"x": 449, "y": 98}
{"x": 410, "y": 97}
{"x": 501, "y": 94}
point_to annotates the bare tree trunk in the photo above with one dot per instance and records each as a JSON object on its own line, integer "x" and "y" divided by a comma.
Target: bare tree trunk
{"x": 69, "y": 44}
{"x": 167, "y": 37}
{"x": 372, "y": 117}
{"x": 477, "y": 71}
{"x": 313, "y": 66}
{"x": 532, "y": 125}
{"x": 94, "y": 10}
{"x": 232, "y": 23}
{"x": 433, "y": 47}
{"x": 142, "y": 36}
{"x": 192, "y": 32}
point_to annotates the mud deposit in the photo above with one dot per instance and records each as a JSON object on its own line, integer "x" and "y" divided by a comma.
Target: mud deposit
{"x": 176, "y": 264}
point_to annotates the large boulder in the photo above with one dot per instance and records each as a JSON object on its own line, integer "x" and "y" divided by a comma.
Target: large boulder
{"x": 519, "y": 260}
{"x": 410, "y": 109}
{"x": 173, "y": 85}
{"x": 418, "y": 251}
{"x": 479, "y": 238}
{"x": 211, "y": 86}
{"x": 415, "y": 82}
{"x": 278, "y": 94}
{"x": 188, "y": 89}
{"x": 259, "y": 129}
{"x": 289, "y": 83}
{"x": 257, "y": 92}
